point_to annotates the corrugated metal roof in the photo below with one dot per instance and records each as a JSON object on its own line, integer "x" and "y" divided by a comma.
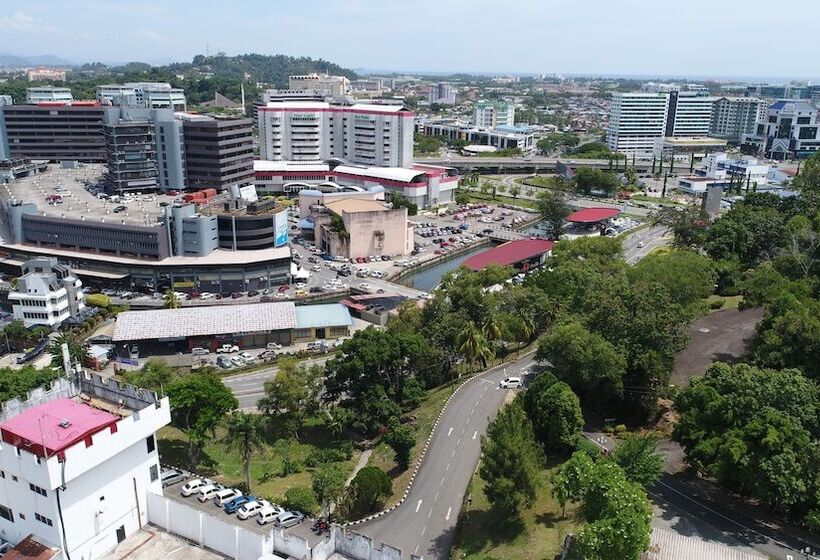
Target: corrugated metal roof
{"x": 204, "y": 321}
{"x": 668, "y": 545}
{"x": 391, "y": 173}
{"x": 509, "y": 253}
{"x": 319, "y": 316}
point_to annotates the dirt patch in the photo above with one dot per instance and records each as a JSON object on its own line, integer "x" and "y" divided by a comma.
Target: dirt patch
{"x": 721, "y": 336}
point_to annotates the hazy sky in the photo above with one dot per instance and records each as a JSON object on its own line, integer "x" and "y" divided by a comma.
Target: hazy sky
{"x": 647, "y": 37}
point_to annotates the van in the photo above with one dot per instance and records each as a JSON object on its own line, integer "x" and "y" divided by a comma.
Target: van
{"x": 198, "y": 351}
{"x": 224, "y": 496}
{"x": 172, "y": 476}
{"x": 208, "y": 492}
{"x": 510, "y": 383}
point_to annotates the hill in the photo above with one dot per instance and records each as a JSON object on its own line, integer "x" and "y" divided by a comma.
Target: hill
{"x": 15, "y": 61}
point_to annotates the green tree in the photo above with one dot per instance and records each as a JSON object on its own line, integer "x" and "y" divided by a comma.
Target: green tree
{"x": 589, "y": 180}
{"x": 637, "y": 456}
{"x": 77, "y": 352}
{"x": 473, "y": 346}
{"x": 688, "y": 224}
{"x": 511, "y": 460}
{"x": 328, "y": 483}
{"x": 155, "y": 374}
{"x": 369, "y": 488}
{"x": 553, "y": 210}
{"x": 401, "y": 440}
{"x": 199, "y": 402}
{"x": 292, "y": 395}
{"x": 170, "y": 299}
{"x": 555, "y": 412}
{"x": 244, "y": 434}
{"x": 515, "y": 190}
{"x": 301, "y": 498}
{"x": 687, "y": 275}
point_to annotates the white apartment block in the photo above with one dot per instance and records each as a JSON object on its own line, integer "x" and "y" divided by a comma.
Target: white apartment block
{"x": 48, "y": 94}
{"x": 77, "y": 462}
{"x": 333, "y": 85}
{"x": 443, "y": 94}
{"x": 151, "y": 95}
{"x": 732, "y": 117}
{"x": 688, "y": 114}
{"x": 636, "y": 119}
{"x": 491, "y": 114}
{"x": 364, "y": 134}
{"x": 46, "y": 294}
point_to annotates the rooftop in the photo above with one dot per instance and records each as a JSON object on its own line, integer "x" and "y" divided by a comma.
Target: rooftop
{"x": 509, "y": 253}
{"x": 54, "y": 426}
{"x": 273, "y": 166}
{"x": 668, "y": 545}
{"x": 321, "y": 316}
{"x": 355, "y": 206}
{"x": 389, "y": 173}
{"x": 31, "y": 549}
{"x": 204, "y": 321}
{"x": 592, "y": 215}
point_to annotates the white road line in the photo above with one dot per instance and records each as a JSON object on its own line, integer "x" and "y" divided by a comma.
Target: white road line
{"x": 450, "y": 431}
{"x": 447, "y": 517}
{"x": 418, "y": 506}
{"x": 424, "y": 530}
{"x": 429, "y": 513}
{"x": 442, "y": 481}
{"x": 436, "y": 497}
{"x": 447, "y": 469}
{"x": 475, "y": 434}
{"x": 417, "y": 549}
{"x": 458, "y": 442}
{"x": 453, "y": 454}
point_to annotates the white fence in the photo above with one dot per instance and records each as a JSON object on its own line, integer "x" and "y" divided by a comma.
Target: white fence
{"x": 207, "y": 530}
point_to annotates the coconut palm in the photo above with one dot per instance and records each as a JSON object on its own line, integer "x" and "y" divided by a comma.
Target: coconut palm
{"x": 77, "y": 352}
{"x": 244, "y": 435}
{"x": 472, "y": 345}
{"x": 491, "y": 327}
{"x": 171, "y": 300}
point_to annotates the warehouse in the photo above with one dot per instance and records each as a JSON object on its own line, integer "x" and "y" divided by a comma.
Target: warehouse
{"x": 521, "y": 254}
{"x": 250, "y": 325}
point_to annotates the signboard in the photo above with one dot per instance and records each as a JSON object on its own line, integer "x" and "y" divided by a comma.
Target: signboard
{"x": 248, "y": 193}
{"x": 280, "y": 228}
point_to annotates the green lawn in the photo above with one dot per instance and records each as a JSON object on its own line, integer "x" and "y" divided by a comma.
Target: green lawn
{"x": 499, "y": 198}
{"x": 537, "y": 181}
{"x": 266, "y": 467}
{"x": 729, "y": 302}
{"x": 538, "y": 533}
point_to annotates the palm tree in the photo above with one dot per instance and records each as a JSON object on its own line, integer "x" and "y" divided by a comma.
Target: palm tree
{"x": 171, "y": 300}
{"x": 515, "y": 191}
{"x": 473, "y": 346}
{"x": 245, "y": 435}
{"x": 491, "y": 327}
{"x": 77, "y": 352}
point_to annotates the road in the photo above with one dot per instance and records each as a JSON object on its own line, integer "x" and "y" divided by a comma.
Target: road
{"x": 248, "y": 388}
{"x": 642, "y": 242}
{"x": 424, "y": 524}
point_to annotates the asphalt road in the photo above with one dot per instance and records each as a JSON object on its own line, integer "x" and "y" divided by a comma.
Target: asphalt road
{"x": 250, "y": 387}
{"x": 640, "y": 243}
{"x": 424, "y": 524}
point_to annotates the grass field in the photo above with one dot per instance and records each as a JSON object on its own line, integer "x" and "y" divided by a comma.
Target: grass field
{"x": 729, "y": 302}
{"x": 481, "y": 198}
{"x": 266, "y": 467}
{"x": 538, "y": 533}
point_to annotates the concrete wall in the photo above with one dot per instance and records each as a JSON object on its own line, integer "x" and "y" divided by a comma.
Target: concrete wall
{"x": 365, "y": 228}
{"x": 360, "y": 547}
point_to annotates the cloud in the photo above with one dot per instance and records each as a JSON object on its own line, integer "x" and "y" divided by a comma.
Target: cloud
{"x": 26, "y": 23}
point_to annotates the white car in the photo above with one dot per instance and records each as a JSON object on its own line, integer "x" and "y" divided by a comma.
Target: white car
{"x": 237, "y": 361}
{"x": 425, "y": 295}
{"x": 269, "y": 514}
{"x": 246, "y": 511}
{"x": 364, "y": 286}
{"x": 510, "y": 383}
{"x": 247, "y": 358}
{"x": 207, "y": 295}
{"x": 224, "y": 496}
{"x": 280, "y": 295}
{"x": 208, "y": 492}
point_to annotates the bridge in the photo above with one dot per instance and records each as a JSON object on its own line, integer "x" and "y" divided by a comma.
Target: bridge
{"x": 535, "y": 164}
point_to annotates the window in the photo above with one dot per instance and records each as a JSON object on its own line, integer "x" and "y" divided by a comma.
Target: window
{"x": 35, "y": 488}
{"x": 150, "y": 443}
{"x": 43, "y": 519}
{"x": 154, "y": 472}
{"x": 6, "y": 513}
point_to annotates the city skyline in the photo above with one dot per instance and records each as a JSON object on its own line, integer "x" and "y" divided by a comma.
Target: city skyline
{"x": 478, "y": 36}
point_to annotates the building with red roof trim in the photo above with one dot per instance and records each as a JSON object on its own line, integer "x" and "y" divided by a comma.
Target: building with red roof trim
{"x": 592, "y": 215}
{"x": 522, "y": 254}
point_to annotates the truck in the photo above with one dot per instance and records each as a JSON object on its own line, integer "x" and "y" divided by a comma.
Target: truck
{"x": 227, "y": 349}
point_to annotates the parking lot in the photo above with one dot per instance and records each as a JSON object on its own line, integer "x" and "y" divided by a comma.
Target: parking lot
{"x": 303, "y": 529}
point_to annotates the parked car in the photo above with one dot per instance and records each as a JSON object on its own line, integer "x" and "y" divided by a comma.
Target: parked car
{"x": 198, "y": 351}
{"x": 253, "y": 293}
{"x": 172, "y": 476}
{"x": 269, "y": 514}
{"x": 227, "y": 349}
{"x": 237, "y": 295}
{"x": 207, "y": 295}
{"x": 273, "y": 346}
{"x": 233, "y": 505}
{"x": 226, "y": 495}
{"x": 224, "y": 362}
{"x": 510, "y": 383}
{"x": 251, "y": 508}
{"x": 247, "y": 357}
{"x": 237, "y": 361}
{"x": 194, "y": 486}
{"x": 208, "y": 492}
{"x": 288, "y": 519}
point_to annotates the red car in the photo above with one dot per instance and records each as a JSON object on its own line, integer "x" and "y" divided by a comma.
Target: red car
{"x": 283, "y": 288}
{"x": 172, "y": 193}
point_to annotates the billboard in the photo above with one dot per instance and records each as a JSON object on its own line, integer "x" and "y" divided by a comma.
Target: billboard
{"x": 280, "y": 228}
{"x": 248, "y": 193}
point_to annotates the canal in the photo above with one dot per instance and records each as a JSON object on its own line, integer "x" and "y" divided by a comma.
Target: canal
{"x": 426, "y": 280}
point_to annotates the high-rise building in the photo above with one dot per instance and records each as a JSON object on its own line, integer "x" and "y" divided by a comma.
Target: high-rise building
{"x": 43, "y": 73}
{"x": 636, "y": 119}
{"x": 688, "y": 114}
{"x": 218, "y": 151}
{"x": 443, "y": 94}
{"x": 131, "y": 156}
{"x": 374, "y": 135}
{"x": 732, "y": 117}
{"x": 491, "y": 114}
{"x": 333, "y": 85}
{"x": 48, "y": 94}
{"x": 151, "y": 95}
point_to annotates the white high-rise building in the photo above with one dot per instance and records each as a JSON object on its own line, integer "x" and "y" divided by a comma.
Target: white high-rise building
{"x": 48, "y": 94}
{"x": 732, "y": 117}
{"x": 151, "y": 95}
{"x": 443, "y": 94}
{"x": 491, "y": 114}
{"x": 374, "y": 135}
{"x": 636, "y": 119}
{"x": 688, "y": 114}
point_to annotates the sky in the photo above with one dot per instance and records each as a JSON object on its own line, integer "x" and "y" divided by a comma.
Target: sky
{"x": 704, "y": 38}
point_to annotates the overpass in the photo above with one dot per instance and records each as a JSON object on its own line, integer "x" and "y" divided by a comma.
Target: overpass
{"x": 531, "y": 165}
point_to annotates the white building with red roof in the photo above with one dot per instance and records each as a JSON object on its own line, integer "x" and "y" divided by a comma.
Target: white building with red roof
{"x": 77, "y": 462}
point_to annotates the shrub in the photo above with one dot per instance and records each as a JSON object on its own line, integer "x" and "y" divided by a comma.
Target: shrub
{"x": 98, "y": 300}
{"x": 716, "y": 304}
{"x": 338, "y": 454}
{"x": 369, "y": 489}
{"x": 301, "y": 498}
{"x": 588, "y": 447}
{"x": 620, "y": 429}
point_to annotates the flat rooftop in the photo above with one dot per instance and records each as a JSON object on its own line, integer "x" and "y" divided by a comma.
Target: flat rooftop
{"x": 54, "y": 426}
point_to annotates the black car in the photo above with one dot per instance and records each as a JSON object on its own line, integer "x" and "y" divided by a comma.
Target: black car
{"x": 316, "y": 290}
{"x": 119, "y": 209}
{"x": 253, "y": 293}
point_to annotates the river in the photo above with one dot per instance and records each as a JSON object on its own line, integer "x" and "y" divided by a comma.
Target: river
{"x": 427, "y": 280}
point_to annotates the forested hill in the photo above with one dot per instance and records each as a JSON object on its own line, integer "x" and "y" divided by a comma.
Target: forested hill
{"x": 200, "y": 78}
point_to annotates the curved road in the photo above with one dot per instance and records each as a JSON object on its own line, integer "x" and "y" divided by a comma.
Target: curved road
{"x": 424, "y": 524}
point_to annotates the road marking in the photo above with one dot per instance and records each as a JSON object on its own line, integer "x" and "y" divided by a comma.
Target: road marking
{"x": 447, "y": 517}
{"x": 442, "y": 481}
{"x": 417, "y": 549}
{"x": 429, "y": 513}
{"x": 450, "y": 431}
{"x": 458, "y": 442}
{"x": 453, "y": 454}
{"x": 424, "y": 530}
{"x": 418, "y": 506}
{"x": 447, "y": 469}
{"x": 436, "y": 498}
{"x": 475, "y": 434}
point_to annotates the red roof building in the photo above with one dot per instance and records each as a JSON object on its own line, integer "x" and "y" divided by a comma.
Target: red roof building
{"x": 592, "y": 215}
{"x": 523, "y": 254}
{"x": 51, "y": 428}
